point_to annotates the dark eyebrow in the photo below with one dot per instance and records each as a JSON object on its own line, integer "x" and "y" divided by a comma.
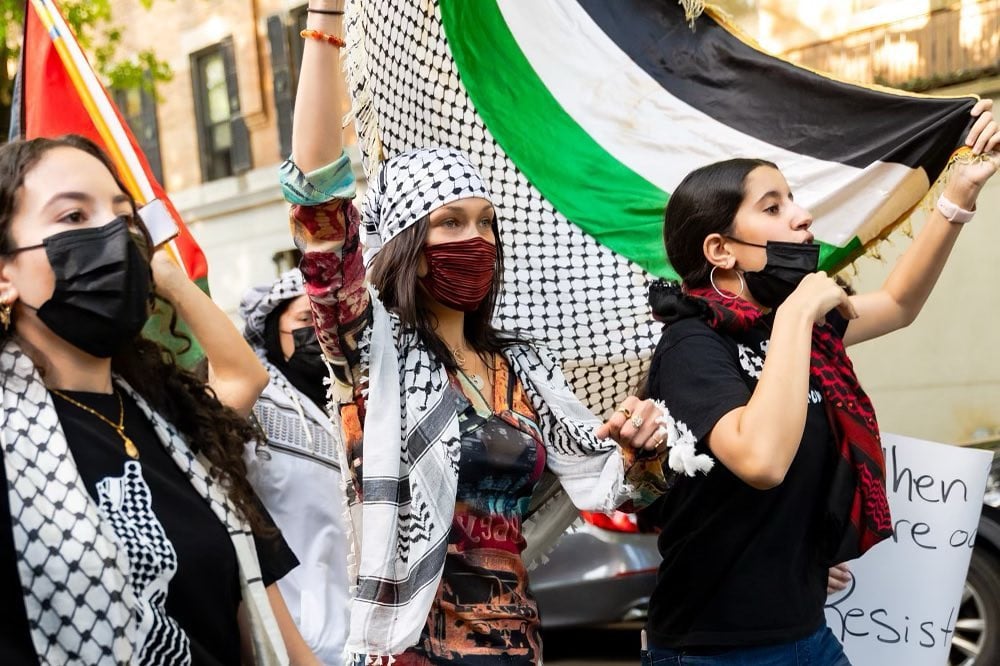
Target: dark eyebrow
{"x": 71, "y": 196}
{"x": 458, "y": 209}
{"x": 83, "y": 197}
{"x": 773, "y": 193}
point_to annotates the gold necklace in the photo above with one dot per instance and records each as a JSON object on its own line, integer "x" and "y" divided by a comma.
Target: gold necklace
{"x": 476, "y": 379}
{"x": 130, "y": 447}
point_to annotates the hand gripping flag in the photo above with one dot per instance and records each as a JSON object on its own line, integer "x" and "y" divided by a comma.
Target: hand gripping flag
{"x": 59, "y": 93}
{"x": 583, "y": 115}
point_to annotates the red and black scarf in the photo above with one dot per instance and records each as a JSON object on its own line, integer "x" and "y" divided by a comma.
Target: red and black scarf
{"x": 859, "y": 475}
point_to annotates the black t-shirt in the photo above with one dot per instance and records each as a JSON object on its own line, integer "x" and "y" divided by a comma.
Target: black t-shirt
{"x": 741, "y": 566}
{"x": 174, "y": 522}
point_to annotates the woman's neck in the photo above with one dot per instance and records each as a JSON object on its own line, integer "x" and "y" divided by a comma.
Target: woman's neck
{"x": 449, "y": 325}
{"x": 62, "y": 365}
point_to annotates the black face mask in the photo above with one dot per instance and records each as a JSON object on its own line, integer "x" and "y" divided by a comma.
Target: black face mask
{"x": 787, "y": 264}
{"x": 102, "y": 292}
{"x": 305, "y": 368}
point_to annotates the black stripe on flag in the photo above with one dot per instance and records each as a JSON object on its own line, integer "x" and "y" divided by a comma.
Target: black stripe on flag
{"x": 774, "y": 101}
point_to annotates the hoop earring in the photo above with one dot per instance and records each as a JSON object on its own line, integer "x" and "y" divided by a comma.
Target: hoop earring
{"x": 711, "y": 278}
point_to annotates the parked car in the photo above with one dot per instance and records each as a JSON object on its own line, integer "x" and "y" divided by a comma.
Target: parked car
{"x": 602, "y": 573}
{"x": 977, "y": 630}
{"x": 599, "y": 574}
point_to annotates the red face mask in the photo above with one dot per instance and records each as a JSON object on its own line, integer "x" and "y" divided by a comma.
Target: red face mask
{"x": 460, "y": 274}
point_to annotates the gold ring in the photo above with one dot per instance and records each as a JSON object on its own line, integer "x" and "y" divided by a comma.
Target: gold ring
{"x": 626, "y": 411}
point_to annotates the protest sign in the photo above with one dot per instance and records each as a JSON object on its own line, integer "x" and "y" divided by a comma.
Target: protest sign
{"x": 902, "y": 603}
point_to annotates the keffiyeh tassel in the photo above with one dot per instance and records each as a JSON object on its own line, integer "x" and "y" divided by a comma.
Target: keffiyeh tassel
{"x": 682, "y": 458}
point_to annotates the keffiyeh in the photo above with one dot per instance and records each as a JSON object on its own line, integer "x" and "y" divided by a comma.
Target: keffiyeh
{"x": 78, "y": 594}
{"x": 411, "y": 185}
{"x": 291, "y": 418}
{"x": 412, "y": 448}
{"x": 858, "y": 514}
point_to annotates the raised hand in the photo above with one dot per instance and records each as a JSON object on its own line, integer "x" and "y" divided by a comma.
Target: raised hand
{"x": 983, "y": 139}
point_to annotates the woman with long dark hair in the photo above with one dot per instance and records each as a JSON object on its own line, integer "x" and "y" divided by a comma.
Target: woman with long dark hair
{"x": 131, "y": 521}
{"x": 753, "y": 370}
{"x": 448, "y": 421}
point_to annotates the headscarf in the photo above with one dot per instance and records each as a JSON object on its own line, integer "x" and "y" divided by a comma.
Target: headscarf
{"x": 261, "y": 309}
{"x": 412, "y": 184}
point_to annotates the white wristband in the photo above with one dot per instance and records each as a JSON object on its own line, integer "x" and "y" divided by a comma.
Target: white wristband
{"x": 953, "y": 212}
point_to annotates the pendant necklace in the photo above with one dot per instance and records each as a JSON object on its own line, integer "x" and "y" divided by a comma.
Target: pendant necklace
{"x": 130, "y": 447}
{"x": 476, "y": 379}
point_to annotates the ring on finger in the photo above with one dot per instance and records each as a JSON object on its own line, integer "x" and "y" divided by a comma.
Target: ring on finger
{"x": 637, "y": 421}
{"x": 626, "y": 411}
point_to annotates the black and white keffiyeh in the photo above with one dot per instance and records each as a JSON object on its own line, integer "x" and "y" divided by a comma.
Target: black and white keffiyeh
{"x": 296, "y": 474}
{"x": 411, "y": 445}
{"x": 412, "y": 448}
{"x": 412, "y": 184}
{"x": 291, "y": 420}
{"x": 75, "y": 574}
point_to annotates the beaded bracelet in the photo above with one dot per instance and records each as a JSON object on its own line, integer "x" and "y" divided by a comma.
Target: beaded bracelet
{"x": 328, "y": 12}
{"x": 333, "y": 40}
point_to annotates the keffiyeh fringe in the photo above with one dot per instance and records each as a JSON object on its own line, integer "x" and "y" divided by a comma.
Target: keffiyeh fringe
{"x": 362, "y": 97}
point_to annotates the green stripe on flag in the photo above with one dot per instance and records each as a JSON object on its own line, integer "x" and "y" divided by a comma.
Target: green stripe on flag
{"x": 833, "y": 258}
{"x": 591, "y": 188}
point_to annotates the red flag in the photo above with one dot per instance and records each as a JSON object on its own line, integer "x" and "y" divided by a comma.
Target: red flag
{"x": 61, "y": 94}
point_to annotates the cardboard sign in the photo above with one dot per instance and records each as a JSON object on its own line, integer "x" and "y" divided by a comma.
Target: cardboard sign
{"x": 902, "y": 605}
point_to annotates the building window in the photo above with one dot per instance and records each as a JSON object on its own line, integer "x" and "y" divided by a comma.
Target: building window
{"x": 138, "y": 106}
{"x": 223, "y": 140}
{"x": 297, "y": 19}
{"x": 286, "y": 57}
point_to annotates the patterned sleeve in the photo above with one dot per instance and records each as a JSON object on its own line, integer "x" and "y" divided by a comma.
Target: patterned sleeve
{"x": 644, "y": 473}
{"x": 325, "y": 225}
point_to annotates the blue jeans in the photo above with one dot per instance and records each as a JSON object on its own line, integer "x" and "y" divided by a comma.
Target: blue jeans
{"x": 820, "y": 649}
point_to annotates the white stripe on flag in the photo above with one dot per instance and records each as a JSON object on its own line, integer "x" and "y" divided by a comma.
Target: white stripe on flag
{"x": 662, "y": 138}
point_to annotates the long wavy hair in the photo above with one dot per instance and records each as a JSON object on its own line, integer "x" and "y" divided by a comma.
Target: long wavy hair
{"x": 209, "y": 427}
{"x": 394, "y": 273}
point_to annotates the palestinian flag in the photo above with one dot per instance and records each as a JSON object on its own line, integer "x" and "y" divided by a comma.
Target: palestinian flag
{"x": 59, "y": 93}
{"x": 583, "y": 115}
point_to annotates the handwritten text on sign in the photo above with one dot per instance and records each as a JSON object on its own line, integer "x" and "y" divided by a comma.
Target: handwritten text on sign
{"x": 901, "y": 606}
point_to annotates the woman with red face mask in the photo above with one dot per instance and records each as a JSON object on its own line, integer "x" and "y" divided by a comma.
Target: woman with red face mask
{"x": 132, "y": 531}
{"x": 448, "y": 422}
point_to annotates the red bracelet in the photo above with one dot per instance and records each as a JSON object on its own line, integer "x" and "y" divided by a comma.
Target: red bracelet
{"x": 333, "y": 40}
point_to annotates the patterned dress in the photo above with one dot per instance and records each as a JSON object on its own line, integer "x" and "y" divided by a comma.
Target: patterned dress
{"x": 483, "y": 607}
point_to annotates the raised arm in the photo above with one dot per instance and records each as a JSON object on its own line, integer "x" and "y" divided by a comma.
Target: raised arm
{"x": 317, "y": 139}
{"x": 318, "y": 181}
{"x": 234, "y": 372}
{"x": 898, "y": 302}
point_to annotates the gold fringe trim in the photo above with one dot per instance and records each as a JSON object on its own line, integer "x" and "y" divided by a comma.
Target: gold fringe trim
{"x": 904, "y": 224}
{"x": 692, "y": 10}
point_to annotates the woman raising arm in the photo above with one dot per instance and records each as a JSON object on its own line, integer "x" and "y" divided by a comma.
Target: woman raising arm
{"x": 448, "y": 421}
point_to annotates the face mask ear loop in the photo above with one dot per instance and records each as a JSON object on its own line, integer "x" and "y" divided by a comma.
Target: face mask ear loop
{"x": 18, "y": 250}
{"x": 743, "y": 284}
{"x": 743, "y": 242}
